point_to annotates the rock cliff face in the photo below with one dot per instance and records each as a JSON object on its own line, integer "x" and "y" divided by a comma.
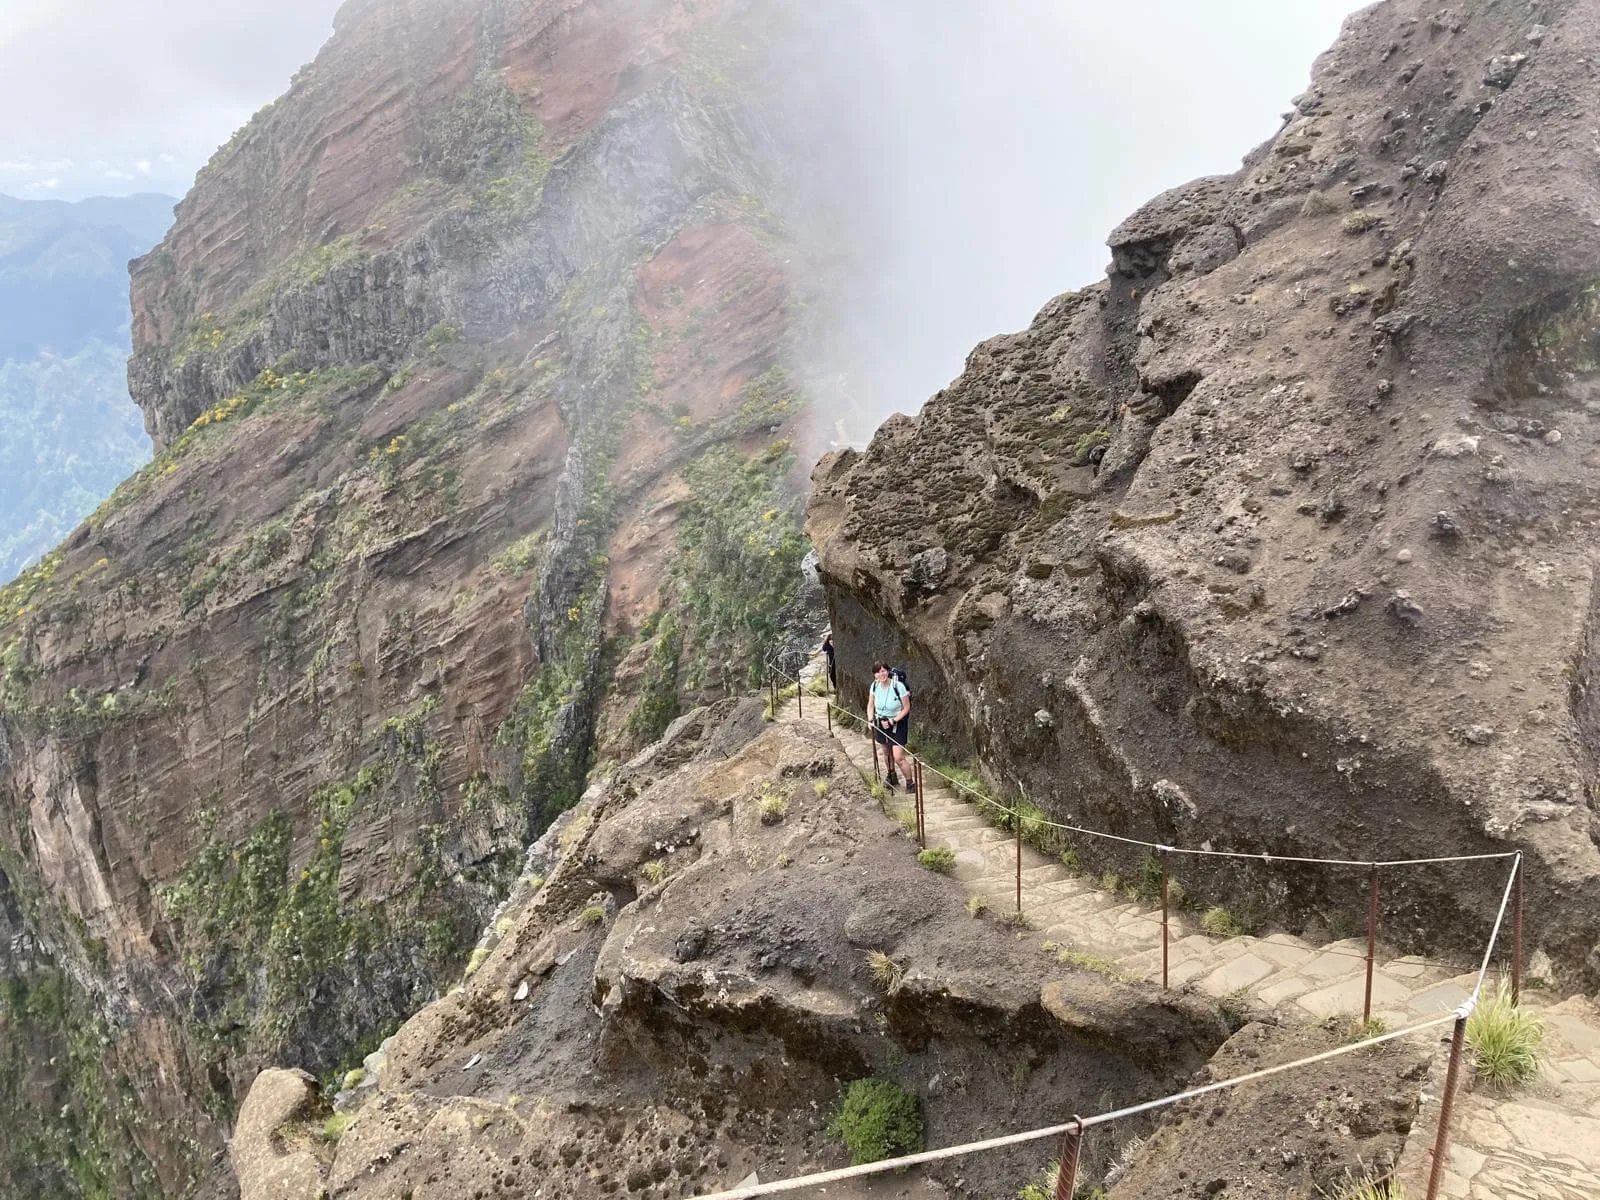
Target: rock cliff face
{"x": 447, "y": 358}
{"x": 677, "y": 1003}
{"x": 1283, "y": 537}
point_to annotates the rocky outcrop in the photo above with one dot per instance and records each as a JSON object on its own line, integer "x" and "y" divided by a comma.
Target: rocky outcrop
{"x": 1287, "y": 526}
{"x": 464, "y": 364}
{"x": 679, "y": 1002}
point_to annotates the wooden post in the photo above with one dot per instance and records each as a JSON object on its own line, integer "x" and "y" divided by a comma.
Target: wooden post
{"x": 1441, "y": 1140}
{"x": 1372, "y": 941}
{"x": 1516, "y": 933}
{"x": 1164, "y": 918}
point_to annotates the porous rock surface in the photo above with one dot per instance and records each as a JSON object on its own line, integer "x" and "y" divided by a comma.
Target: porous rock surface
{"x": 666, "y": 1035}
{"x": 1288, "y": 526}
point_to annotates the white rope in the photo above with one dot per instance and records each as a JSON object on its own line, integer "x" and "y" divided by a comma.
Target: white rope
{"x": 1050, "y": 1131}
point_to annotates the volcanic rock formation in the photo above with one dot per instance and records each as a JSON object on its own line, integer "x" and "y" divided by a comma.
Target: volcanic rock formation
{"x": 1283, "y": 537}
{"x": 464, "y": 362}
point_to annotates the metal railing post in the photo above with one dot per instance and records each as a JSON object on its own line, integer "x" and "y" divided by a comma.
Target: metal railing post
{"x": 876, "y": 778}
{"x": 1441, "y": 1141}
{"x": 1516, "y": 933}
{"x": 827, "y": 707}
{"x": 922, "y": 827}
{"x": 1017, "y": 816}
{"x": 1372, "y": 942}
{"x": 1071, "y": 1152}
{"x": 1164, "y": 917}
{"x": 800, "y": 699}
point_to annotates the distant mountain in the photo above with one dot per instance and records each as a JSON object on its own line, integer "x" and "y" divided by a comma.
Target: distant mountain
{"x": 68, "y": 430}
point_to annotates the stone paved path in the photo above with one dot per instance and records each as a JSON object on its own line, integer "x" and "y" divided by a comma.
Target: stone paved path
{"x": 1541, "y": 1142}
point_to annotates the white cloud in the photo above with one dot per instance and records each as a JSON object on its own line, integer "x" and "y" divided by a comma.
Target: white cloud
{"x": 142, "y": 166}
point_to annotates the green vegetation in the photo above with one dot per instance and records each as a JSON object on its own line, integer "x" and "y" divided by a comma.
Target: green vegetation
{"x": 592, "y": 915}
{"x": 72, "y": 1122}
{"x": 333, "y": 1128}
{"x": 1360, "y": 221}
{"x": 877, "y": 1120}
{"x": 491, "y": 143}
{"x": 1087, "y": 442}
{"x": 1043, "y": 1185}
{"x": 654, "y": 871}
{"x": 938, "y": 858}
{"x": 773, "y": 809}
{"x": 658, "y": 691}
{"x": 1507, "y": 1041}
{"x": 740, "y": 549}
{"x": 977, "y": 905}
{"x": 1220, "y": 923}
{"x": 1092, "y": 962}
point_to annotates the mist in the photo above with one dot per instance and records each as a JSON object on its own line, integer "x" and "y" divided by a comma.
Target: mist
{"x": 961, "y": 162}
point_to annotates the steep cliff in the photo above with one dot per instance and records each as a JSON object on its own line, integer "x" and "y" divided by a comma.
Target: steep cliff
{"x": 464, "y": 364}
{"x": 1282, "y": 537}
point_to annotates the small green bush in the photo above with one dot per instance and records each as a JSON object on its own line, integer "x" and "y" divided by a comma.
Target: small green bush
{"x": 1360, "y": 221}
{"x": 333, "y": 1128}
{"x": 1219, "y": 922}
{"x": 938, "y": 858}
{"x": 877, "y": 1120}
{"x": 655, "y": 870}
{"x": 1507, "y": 1042}
{"x": 592, "y": 915}
{"x": 977, "y": 905}
{"x": 773, "y": 810}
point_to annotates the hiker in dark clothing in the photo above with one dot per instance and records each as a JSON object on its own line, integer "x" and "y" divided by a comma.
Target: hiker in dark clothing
{"x": 890, "y": 702}
{"x": 833, "y": 667}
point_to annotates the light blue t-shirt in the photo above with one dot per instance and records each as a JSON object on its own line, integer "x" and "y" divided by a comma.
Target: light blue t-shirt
{"x": 886, "y": 698}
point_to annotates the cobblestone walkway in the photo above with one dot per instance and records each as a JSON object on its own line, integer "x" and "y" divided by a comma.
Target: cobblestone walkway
{"x": 1541, "y": 1142}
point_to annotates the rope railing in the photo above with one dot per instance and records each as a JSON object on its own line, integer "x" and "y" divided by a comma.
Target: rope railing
{"x": 1042, "y": 822}
{"x": 1072, "y": 1132}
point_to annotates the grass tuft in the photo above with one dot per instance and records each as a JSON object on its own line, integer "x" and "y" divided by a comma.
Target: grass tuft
{"x": 592, "y": 915}
{"x": 655, "y": 870}
{"x": 977, "y": 905}
{"x": 888, "y": 973}
{"x": 773, "y": 810}
{"x": 1507, "y": 1042}
{"x": 938, "y": 858}
{"x": 1371, "y": 1184}
{"x": 1043, "y": 1185}
{"x": 1220, "y": 923}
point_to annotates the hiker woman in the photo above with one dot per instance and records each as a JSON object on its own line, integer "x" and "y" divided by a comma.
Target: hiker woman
{"x": 891, "y": 718}
{"x": 833, "y": 667}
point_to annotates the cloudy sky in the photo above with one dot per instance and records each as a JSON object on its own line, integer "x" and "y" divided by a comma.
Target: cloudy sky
{"x": 108, "y": 97}
{"x": 116, "y": 96}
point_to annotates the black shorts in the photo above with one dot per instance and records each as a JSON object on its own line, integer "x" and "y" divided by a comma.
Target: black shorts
{"x": 895, "y": 734}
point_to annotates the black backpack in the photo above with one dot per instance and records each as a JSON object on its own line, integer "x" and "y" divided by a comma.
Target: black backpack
{"x": 899, "y": 673}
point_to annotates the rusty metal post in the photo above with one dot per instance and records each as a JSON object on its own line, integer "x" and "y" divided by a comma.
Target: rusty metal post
{"x": 1516, "y": 933}
{"x": 827, "y": 708}
{"x": 1164, "y": 911}
{"x": 1071, "y": 1151}
{"x": 1017, "y": 814}
{"x": 800, "y": 698}
{"x": 1441, "y": 1141}
{"x": 871, "y": 733}
{"x": 922, "y": 826}
{"x": 1372, "y": 942}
